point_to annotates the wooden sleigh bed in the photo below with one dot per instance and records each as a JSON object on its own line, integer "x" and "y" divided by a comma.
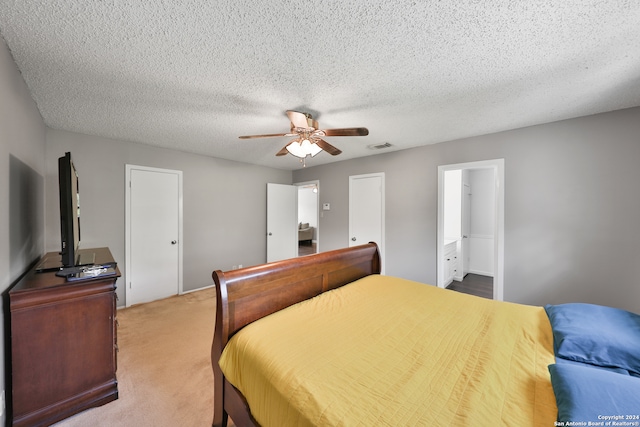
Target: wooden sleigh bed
{"x": 248, "y": 294}
{"x": 325, "y": 340}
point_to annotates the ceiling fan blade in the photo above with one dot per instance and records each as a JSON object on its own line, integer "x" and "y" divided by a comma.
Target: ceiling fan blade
{"x": 346, "y": 132}
{"x": 265, "y": 136}
{"x": 327, "y": 147}
{"x": 298, "y": 119}
{"x": 283, "y": 151}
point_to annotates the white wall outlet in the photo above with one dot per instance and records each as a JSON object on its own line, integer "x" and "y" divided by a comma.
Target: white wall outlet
{"x": 326, "y": 206}
{"x": 239, "y": 265}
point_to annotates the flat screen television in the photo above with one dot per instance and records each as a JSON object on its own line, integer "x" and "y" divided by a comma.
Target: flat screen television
{"x": 69, "y": 211}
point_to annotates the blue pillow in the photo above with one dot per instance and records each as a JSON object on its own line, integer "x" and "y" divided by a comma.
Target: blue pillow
{"x": 586, "y": 394}
{"x": 594, "y": 334}
{"x": 561, "y": 361}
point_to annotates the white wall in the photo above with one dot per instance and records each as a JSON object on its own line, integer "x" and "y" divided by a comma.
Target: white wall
{"x": 307, "y": 206}
{"x": 452, "y": 204}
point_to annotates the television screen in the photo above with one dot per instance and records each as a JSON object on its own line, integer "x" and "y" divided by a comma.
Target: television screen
{"x": 69, "y": 210}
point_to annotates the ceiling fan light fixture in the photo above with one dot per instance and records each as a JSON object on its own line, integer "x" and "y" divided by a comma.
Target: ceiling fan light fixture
{"x": 303, "y": 149}
{"x": 310, "y": 147}
{"x": 295, "y": 149}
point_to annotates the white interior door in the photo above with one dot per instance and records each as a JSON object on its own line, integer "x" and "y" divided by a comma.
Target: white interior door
{"x": 154, "y": 234}
{"x": 466, "y": 228}
{"x": 282, "y": 222}
{"x": 366, "y": 210}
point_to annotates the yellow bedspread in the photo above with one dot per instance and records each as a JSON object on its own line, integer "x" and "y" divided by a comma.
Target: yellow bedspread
{"x": 388, "y": 351}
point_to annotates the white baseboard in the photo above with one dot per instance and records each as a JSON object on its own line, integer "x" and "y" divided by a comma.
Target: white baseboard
{"x": 481, "y": 273}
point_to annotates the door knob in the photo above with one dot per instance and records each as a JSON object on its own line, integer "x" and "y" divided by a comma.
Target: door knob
{"x": 173, "y": 242}
{"x": 353, "y": 239}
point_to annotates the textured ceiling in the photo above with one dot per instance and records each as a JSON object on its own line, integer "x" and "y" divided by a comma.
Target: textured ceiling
{"x": 193, "y": 75}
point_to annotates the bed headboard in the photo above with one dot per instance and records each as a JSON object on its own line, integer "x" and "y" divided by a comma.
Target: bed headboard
{"x": 248, "y": 294}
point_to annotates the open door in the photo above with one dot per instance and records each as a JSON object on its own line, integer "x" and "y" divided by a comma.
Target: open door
{"x": 466, "y": 229}
{"x": 282, "y": 222}
{"x": 497, "y": 249}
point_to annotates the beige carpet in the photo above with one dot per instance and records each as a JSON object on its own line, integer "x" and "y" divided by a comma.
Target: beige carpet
{"x": 164, "y": 366}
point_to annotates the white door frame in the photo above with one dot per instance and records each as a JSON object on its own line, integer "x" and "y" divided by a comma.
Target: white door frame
{"x": 127, "y": 225}
{"x": 381, "y": 244}
{"x": 465, "y": 229}
{"x": 317, "y": 184}
{"x": 498, "y": 269}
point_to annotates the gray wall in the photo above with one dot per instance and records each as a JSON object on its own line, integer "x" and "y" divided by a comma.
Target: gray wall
{"x": 22, "y": 146}
{"x": 224, "y": 202}
{"x": 571, "y": 207}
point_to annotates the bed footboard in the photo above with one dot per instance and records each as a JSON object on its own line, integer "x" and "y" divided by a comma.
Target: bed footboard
{"x": 248, "y": 294}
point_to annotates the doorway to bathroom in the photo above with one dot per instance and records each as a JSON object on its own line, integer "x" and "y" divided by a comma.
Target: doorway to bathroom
{"x": 471, "y": 224}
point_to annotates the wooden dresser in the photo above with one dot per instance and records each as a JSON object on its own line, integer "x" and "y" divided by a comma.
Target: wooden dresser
{"x": 63, "y": 344}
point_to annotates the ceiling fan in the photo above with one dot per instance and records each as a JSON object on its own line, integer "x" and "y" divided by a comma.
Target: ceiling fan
{"x": 308, "y": 139}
